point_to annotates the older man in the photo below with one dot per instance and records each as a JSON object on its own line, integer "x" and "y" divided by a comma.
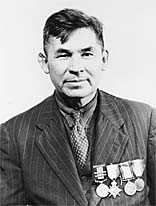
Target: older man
{"x": 80, "y": 146}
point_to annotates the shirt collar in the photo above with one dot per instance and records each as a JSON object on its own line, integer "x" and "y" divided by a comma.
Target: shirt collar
{"x": 67, "y": 111}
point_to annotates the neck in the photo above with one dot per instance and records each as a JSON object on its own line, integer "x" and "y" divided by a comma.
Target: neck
{"x": 75, "y": 102}
{"x": 85, "y": 100}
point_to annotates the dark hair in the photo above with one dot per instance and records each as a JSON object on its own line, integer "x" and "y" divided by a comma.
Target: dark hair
{"x": 61, "y": 24}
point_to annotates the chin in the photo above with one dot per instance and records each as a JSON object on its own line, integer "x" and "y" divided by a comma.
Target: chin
{"x": 77, "y": 93}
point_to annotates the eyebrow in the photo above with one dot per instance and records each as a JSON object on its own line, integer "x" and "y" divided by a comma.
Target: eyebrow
{"x": 87, "y": 49}
{"x": 61, "y": 50}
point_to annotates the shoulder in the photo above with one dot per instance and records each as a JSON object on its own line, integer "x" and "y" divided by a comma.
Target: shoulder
{"x": 130, "y": 108}
{"x": 30, "y": 115}
{"x": 21, "y": 130}
{"x": 136, "y": 105}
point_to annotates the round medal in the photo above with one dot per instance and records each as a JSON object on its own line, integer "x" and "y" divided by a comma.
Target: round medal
{"x": 139, "y": 184}
{"x": 130, "y": 188}
{"x": 102, "y": 190}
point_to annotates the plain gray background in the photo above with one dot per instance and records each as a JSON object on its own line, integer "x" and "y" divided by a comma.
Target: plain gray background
{"x": 130, "y": 28}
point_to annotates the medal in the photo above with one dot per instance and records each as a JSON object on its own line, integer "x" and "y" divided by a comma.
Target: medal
{"x": 113, "y": 173}
{"x": 127, "y": 175}
{"x": 130, "y": 188}
{"x": 100, "y": 174}
{"x": 138, "y": 167}
{"x": 114, "y": 190}
{"x": 126, "y": 171}
{"x": 102, "y": 190}
{"x": 139, "y": 184}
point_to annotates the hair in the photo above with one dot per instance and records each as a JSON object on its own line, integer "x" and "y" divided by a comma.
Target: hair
{"x": 61, "y": 24}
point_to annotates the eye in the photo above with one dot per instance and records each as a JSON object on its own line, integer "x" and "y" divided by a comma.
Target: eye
{"x": 63, "y": 55}
{"x": 87, "y": 54}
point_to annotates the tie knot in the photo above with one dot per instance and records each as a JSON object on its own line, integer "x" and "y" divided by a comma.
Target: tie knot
{"x": 76, "y": 116}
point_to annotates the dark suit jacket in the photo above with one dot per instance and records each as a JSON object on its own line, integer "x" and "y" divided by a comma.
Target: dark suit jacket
{"x": 37, "y": 166}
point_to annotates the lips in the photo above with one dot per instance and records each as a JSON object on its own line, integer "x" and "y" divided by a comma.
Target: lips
{"x": 74, "y": 80}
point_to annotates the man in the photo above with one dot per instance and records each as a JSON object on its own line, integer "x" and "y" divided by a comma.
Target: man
{"x": 81, "y": 146}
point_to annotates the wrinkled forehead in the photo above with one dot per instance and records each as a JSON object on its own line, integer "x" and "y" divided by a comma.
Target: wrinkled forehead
{"x": 78, "y": 39}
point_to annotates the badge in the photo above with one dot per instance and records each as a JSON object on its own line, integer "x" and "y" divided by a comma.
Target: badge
{"x": 102, "y": 190}
{"x": 138, "y": 167}
{"x": 113, "y": 173}
{"x": 130, "y": 188}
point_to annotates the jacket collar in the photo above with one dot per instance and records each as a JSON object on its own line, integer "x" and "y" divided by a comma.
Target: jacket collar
{"x": 108, "y": 106}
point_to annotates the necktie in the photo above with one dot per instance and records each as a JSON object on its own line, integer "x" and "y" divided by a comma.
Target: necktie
{"x": 79, "y": 141}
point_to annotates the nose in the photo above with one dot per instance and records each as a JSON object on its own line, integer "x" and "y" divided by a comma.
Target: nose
{"x": 76, "y": 66}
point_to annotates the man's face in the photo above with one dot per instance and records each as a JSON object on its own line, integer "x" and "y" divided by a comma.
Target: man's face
{"x": 75, "y": 66}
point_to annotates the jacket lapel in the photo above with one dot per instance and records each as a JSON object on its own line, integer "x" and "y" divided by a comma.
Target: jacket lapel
{"x": 54, "y": 146}
{"x": 111, "y": 134}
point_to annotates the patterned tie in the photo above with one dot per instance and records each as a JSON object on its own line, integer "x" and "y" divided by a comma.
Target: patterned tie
{"x": 79, "y": 141}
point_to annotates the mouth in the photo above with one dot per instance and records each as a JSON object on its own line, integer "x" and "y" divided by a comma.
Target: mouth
{"x": 74, "y": 80}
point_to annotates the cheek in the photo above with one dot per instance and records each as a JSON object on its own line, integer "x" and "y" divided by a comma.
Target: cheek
{"x": 95, "y": 71}
{"x": 56, "y": 69}
{"x": 56, "y": 73}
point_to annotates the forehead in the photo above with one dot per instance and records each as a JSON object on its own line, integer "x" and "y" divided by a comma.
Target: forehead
{"x": 78, "y": 39}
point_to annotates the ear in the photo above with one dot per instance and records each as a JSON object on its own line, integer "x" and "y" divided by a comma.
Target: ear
{"x": 105, "y": 59}
{"x": 42, "y": 60}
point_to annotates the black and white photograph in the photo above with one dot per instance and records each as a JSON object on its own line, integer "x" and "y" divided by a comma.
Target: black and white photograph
{"x": 78, "y": 103}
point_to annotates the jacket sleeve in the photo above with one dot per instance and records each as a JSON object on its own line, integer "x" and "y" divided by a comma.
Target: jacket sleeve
{"x": 11, "y": 184}
{"x": 151, "y": 160}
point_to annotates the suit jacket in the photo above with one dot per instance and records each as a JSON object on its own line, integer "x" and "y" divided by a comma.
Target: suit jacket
{"x": 37, "y": 165}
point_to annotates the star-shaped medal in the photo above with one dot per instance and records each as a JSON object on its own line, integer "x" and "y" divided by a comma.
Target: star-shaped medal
{"x": 114, "y": 190}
